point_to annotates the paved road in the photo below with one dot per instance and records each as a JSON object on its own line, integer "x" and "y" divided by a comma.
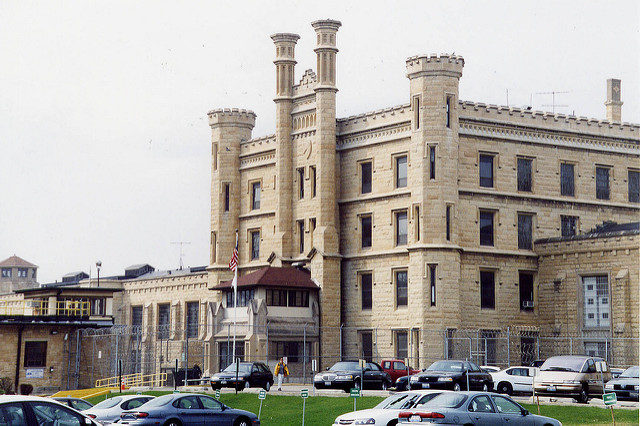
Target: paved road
{"x": 294, "y": 390}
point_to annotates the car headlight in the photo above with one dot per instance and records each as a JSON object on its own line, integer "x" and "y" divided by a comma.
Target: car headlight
{"x": 414, "y": 378}
{"x": 636, "y": 387}
{"x": 214, "y": 379}
{"x": 445, "y": 379}
{"x": 318, "y": 377}
{"x": 571, "y": 382}
{"x": 346, "y": 377}
{"x": 608, "y": 386}
{"x": 370, "y": 421}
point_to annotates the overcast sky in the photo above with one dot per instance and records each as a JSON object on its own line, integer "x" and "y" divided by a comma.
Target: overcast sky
{"x": 104, "y": 141}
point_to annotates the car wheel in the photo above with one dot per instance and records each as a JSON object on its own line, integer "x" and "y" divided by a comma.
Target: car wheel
{"x": 267, "y": 386}
{"x": 485, "y": 387}
{"x": 456, "y": 387}
{"x": 392, "y": 423}
{"x": 173, "y": 422}
{"x": 584, "y": 395}
{"x": 356, "y": 384}
{"x": 247, "y": 385}
{"x": 384, "y": 386}
{"x": 242, "y": 421}
{"x": 505, "y": 387}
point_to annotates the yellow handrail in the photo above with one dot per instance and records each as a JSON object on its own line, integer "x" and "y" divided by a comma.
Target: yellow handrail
{"x": 39, "y": 307}
{"x": 134, "y": 380}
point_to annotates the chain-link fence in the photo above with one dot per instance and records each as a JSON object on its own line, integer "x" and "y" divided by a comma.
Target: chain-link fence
{"x": 102, "y": 353}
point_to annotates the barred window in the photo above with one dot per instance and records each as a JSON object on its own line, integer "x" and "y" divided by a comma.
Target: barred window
{"x": 255, "y": 245}
{"x": 567, "y": 175}
{"x": 365, "y": 177}
{"x": 525, "y": 231}
{"x": 244, "y": 298}
{"x": 525, "y": 166}
{"x": 402, "y": 288}
{"x": 487, "y": 290}
{"x": 569, "y": 225}
{"x": 164, "y": 318}
{"x": 35, "y": 354}
{"x": 136, "y": 316}
{"x": 365, "y": 231}
{"x": 193, "y": 310}
{"x": 255, "y": 199}
{"x": 402, "y": 344}
{"x": 366, "y": 289}
{"x": 432, "y": 283}
{"x": 602, "y": 183}
{"x": 526, "y": 291}
{"x": 634, "y": 186}
{"x": 22, "y": 272}
{"x": 276, "y": 298}
{"x": 432, "y": 162}
{"x": 486, "y": 170}
{"x": 298, "y": 298}
{"x": 227, "y": 197}
{"x": 312, "y": 173}
{"x": 401, "y": 228}
{"x": 301, "y": 183}
{"x": 401, "y": 171}
{"x": 486, "y": 228}
{"x": 596, "y": 296}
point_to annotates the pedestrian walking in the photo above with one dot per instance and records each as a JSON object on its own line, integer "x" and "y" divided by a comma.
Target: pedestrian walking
{"x": 281, "y": 371}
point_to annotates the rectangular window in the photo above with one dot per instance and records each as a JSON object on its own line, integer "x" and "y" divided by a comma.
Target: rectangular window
{"x": 295, "y": 351}
{"x": 486, "y": 228}
{"x": 527, "y": 350}
{"x": 596, "y": 291}
{"x": 569, "y": 225}
{"x": 301, "y": 183}
{"x": 213, "y": 247}
{"x": 22, "y": 272}
{"x": 416, "y": 222}
{"x": 193, "y": 311}
{"x": 365, "y": 231}
{"x": 448, "y": 112}
{"x": 35, "y": 354}
{"x": 451, "y": 346}
{"x": 367, "y": 345}
{"x": 312, "y": 173}
{"x": 298, "y": 299}
{"x": 276, "y": 298}
{"x": 448, "y": 223}
{"x": 634, "y": 186}
{"x": 525, "y": 283}
{"x": 255, "y": 195}
{"x": 402, "y": 344}
{"x": 488, "y": 346}
{"x": 402, "y": 288}
{"x": 602, "y": 183}
{"x": 401, "y": 171}
{"x": 214, "y": 149}
{"x": 136, "y": 317}
{"x": 366, "y": 289}
{"x": 487, "y": 290}
{"x": 432, "y": 282}
{"x": 301, "y": 234}
{"x": 365, "y": 177}
{"x": 226, "y": 352}
{"x": 525, "y": 178}
{"x": 486, "y": 170}
{"x": 6, "y": 272}
{"x": 401, "y": 228}
{"x": 525, "y": 231}
{"x": 227, "y": 197}
{"x": 416, "y": 111}
{"x": 98, "y": 306}
{"x": 164, "y": 320}
{"x": 567, "y": 178}
{"x": 432, "y": 162}
{"x": 244, "y": 298}
{"x": 255, "y": 245}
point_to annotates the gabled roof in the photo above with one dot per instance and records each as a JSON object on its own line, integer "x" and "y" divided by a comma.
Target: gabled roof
{"x": 271, "y": 276}
{"x": 15, "y": 261}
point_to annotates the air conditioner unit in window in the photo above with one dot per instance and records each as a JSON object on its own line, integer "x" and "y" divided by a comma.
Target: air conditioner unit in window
{"x": 528, "y": 304}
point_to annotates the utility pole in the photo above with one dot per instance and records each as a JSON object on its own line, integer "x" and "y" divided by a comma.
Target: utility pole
{"x": 182, "y": 244}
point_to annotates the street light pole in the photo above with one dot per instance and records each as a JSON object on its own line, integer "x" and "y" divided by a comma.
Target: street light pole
{"x": 98, "y": 266}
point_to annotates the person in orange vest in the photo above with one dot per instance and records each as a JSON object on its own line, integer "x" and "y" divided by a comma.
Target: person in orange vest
{"x": 281, "y": 371}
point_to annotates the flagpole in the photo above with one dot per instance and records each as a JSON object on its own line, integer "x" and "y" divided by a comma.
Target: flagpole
{"x": 235, "y": 302}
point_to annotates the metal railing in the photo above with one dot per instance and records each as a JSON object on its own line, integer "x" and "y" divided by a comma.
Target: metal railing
{"x": 38, "y": 307}
{"x": 133, "y": 380}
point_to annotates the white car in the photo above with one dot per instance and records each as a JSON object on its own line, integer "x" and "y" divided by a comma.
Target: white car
{"x": 386, "y": 413}
{"x": 34, "y": 410}
{"x": 514, "y": 379}
{"x": 109, "y": 410}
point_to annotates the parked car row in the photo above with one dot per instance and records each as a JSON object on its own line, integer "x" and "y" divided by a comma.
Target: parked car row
{"x": 346, "y": 375}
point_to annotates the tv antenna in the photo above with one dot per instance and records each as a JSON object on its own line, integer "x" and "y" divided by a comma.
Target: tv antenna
{"x": 553, "y": 103}
{"x": 182, "y": 244}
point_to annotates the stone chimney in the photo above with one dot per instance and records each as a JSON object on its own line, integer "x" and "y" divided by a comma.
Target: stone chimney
{"x": 613, "y": 103}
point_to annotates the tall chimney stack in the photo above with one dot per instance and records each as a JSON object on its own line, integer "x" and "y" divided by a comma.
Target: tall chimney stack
{"x": 613, "y": 103}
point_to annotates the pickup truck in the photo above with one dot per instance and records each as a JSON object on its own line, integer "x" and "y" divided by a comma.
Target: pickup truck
{"x": 396, "y": 368}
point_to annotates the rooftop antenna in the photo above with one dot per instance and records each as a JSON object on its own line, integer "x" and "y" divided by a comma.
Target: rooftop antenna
{"x": 182, "y": 244}
{"x": 553, "y": 104}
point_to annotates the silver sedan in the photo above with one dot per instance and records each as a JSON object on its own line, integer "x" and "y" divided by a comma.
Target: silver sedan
{"x": 109, "y": 410}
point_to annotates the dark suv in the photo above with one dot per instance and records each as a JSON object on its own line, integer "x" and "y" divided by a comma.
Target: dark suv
{"x": 348, "y": 374}
{"x": 452, "y": 375}
{"x": 250, "y": 375}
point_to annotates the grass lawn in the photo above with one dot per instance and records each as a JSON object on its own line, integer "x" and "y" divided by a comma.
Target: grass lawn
{"x": 322, "y": 410}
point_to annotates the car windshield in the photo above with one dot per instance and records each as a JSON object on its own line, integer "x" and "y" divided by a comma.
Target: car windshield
{"x": 398, "y": 402}
{"x": 243, "y": 368}
{"x": 631, "y": 372}
{"x": 446, "y": 400}
{"x": 453, "y": 366}
{"x": 159, "y": 401}
{"x": 345, "y": 365}
{"x": 108, "y": 403}
{"x": 562, "y": 363}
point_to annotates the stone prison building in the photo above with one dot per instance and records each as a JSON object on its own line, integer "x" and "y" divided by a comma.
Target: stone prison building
{"x": 439, "y": 228}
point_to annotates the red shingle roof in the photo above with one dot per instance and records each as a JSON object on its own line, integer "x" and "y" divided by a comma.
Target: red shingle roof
{"x": 271, "y": 276}
{"x": 15, "y": 261}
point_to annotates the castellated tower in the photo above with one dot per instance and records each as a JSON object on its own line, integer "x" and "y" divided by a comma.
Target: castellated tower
{"x": 229, "y": 127}
{"x": 434, "y": 82}
{"x": 285, "y": 65}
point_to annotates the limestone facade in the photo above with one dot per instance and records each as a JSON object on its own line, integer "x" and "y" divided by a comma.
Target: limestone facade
{"x": 425, "y": 160}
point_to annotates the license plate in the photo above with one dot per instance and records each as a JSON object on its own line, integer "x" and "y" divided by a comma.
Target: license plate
{"x": 425, "y": 386}
{"x": 415, "y": 419}
{"x": 551, "y": 388}
{"x": 327, "y": 383}
{"x": 223, "y": 382}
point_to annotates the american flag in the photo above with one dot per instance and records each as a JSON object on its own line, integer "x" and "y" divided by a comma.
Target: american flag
{"x": 233, "y": 263}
